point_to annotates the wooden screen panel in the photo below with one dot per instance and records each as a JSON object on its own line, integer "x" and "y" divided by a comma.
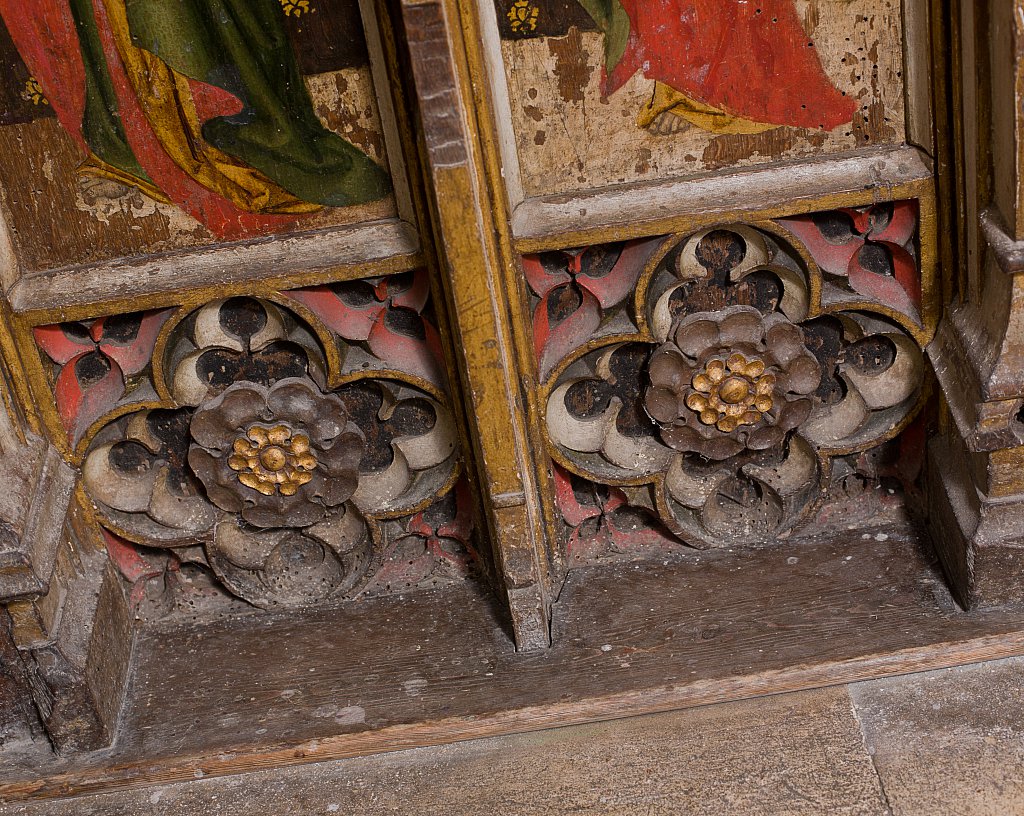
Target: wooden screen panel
{"x": 756, "y": 175}
{"x": 323, "y": 321}
{"x": 99, "y": 168}
{"x": 706, "y": 107}
{"x": 717, "y": 387}
{"x": 650, "y": 91}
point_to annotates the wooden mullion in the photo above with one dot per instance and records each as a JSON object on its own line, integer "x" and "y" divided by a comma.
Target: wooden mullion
{"x": 466, "y": 230}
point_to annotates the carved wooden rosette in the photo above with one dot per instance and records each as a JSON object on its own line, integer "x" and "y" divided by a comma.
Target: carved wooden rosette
{"x": 295, "y": 448}
{"x": 712, "y": 386}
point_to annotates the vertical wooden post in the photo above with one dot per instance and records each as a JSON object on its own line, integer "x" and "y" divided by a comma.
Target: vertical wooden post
{"x": 976, "y": 481}
{"x": 464, "y": 224}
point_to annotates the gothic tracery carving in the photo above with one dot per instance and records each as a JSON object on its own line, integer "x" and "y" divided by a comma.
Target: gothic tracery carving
{"x": 717, "y": 376}
{"x": 288, "y": 458}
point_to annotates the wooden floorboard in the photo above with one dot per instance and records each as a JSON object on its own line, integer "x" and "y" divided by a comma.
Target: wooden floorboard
{"x": 433, "y": 668}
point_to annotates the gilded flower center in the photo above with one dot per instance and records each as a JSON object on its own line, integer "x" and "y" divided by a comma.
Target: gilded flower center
{"x": 272, "y": 460}
{"x": 731, "y": 393}
{"x": 734, "y": 390}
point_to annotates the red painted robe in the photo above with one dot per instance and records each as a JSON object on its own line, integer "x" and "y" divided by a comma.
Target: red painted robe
{"x": 749, "y": 58}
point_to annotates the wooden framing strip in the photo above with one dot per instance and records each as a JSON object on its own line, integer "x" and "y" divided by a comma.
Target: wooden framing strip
{"x": 464, "y": 223}
{"x": 785, "y": 188}
{"x": 378, "y": 248}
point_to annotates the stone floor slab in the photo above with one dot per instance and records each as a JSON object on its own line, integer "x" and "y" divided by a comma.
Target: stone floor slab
{"x": 948, "y": 743}
{"x": 799, "y": 754}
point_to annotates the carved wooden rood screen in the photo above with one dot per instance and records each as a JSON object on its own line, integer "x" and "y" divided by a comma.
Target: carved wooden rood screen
{"x": 394, "y": 372}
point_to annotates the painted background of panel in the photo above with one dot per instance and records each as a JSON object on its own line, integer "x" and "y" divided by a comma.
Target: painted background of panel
{"x": 571, "y": 137}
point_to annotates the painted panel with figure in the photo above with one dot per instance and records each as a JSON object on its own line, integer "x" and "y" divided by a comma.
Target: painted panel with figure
{"x": 134, "y": 126}
{"x": 606, "y": 92}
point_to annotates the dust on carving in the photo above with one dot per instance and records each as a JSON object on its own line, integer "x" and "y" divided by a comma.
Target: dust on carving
{"x": 571, "y": 68}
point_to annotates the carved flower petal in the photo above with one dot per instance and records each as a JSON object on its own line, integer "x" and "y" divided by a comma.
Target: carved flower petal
{"x": 737, "y": 364}
{"x": 294, "y": 401}
{"x": 785, "y": 341}
{"x": 661, "y": 404}
{"x": 695, "y": 336}
{"x": 803, "y": 375}
{"x": 796, "y": 472}
{"x": 336, "y": 489}
{"x": 661, "y": 315}
{"x": 128, "y": 492}
{"x": 245, "y": 548}
{"x": 741, "y": 324}
{"x": 898, "y": 382}
{"x": 721, "y": 447}
{"x": 208, "y": 469}
{"x": 830, "y": 424}
{"x": 569, "y": 431}
{"x": 343, "y": 456}
{"x": 301, "y": 571}
{"x": 282, "y": 568}
{"x": 265, "y": 517}
{"x": 755, "y": 252}
{"x": 755, "y": 368}
{"x": 641, "y": 454}
{"x": 716, "y": 370}
{"x": 684, "y": 438}
{"x": 766, "y": 437}
{"x": 668, "y": 368}
{"x": 209, "y": 330}
{"x": 188, "y": 387}
{"x": 59, "y": 346}
{"x": 750, "y": 418}
{"x": 332, "y": 423}
{"x": 344, "y": 530}
{"x": 217, "y": 424}
{"x": 139, "y": 431}
{"x": 695, "y": 402}
{"x": 795, "y": 295}
{"x": 178, "y": 511}
{"x": 688, "y": 489}
{"x": 794, "y": 413}
{"x": 284, "y": 511}
{"x": 832, "y": 258}
{"x": 377, "y": 491}
{"x": 702, "y": 382}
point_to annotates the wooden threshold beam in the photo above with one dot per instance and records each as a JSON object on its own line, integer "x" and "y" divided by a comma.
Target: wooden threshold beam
{"x": 630, "y": 638}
